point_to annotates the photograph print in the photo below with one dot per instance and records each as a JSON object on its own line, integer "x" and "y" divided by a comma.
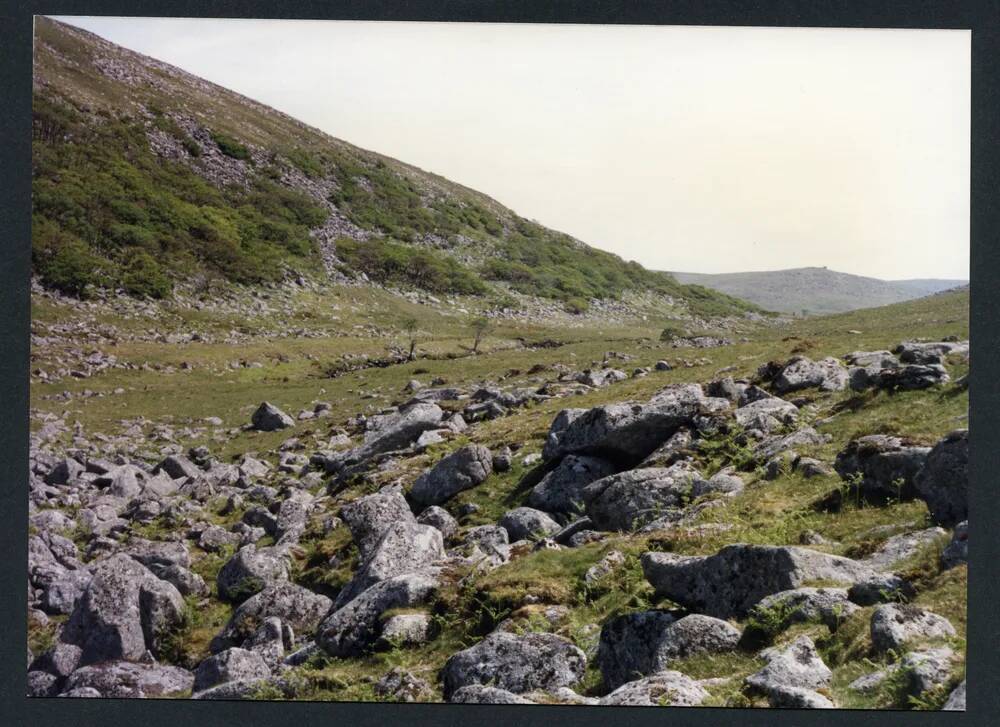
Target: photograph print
{"x": 511, "y": 364}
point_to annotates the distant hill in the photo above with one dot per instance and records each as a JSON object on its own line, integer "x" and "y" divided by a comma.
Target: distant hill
{"x": 815, "y": 291}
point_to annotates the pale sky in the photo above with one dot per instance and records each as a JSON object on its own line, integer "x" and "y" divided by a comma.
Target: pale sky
{"x": 699, "y": 149}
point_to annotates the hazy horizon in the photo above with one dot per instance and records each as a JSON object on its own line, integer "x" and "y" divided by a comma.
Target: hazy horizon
{"x": 689, "y": 149}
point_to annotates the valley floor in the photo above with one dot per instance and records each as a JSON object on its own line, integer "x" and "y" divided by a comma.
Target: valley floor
{"x": 259, "y": 572}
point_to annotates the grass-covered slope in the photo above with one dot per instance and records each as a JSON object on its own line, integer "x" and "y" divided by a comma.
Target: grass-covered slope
{"x": 145, "y": 175}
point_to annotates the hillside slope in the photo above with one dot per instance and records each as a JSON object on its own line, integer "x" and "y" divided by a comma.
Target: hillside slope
{"x": 145, "y": 175}
{"x": 815, "y": 291}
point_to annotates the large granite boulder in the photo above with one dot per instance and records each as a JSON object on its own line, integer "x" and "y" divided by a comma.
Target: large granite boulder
{"x": 461, "y": 470}
{"x": 518, "y": 664}
{"x": 125, "y": 612}
{"x": 943, "y": 482}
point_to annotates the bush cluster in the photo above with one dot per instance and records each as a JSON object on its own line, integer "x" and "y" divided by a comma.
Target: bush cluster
{"x": 390, "y": 262}
{"x": 107, "y": 211}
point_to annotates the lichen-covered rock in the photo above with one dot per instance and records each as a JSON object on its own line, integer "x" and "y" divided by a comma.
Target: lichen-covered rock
{"x": 957, "y": 551}
{"x": 797, "y": 666}
{"x": 883, "y": 466}
{"x": 767, "y": 415}
{"x": 561, "y": 490}
{"x": 898, "y": 548}
{"x": 829, "y": 606}
{"x": 956, "y": 700}
{"x": 663, "y": 689}
{"x": 627, "y": 432}
{"x": 404, "y": 548}
{"x": 631, "y": 499}
{"x": 943, "y": 483}
{"x": 527, "y": 523}
{"x": 439, "y": 518}
{"x": 268, "y": 418}
{"x": 250, "y": 571}
{"x": 895, "y": 624}
{"x": 121, "y": 679}
{"x": 296, "y": 606}
{"x": 733, "y": 580}
{"x": 353, "y": 628}
{"x": 800, "y": 372}
{"x": 125, "y": 611}
{"x": 463, "y": 469}
{"x": 479, "y": 694}
{"x": 402, "y": 686}
{"x": 369, "y": 517}
{"x": 518, "y": 664}
{"x": 643, "y": 643}
{"x": 233, "y": 664}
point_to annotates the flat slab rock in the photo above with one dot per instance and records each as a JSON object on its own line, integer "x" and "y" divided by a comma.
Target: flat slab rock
{"x": 733, "y": 580}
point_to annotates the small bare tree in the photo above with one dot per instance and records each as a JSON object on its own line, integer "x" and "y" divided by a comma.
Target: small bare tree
{"x": 480, "y": 325}
{"x": 411, "y": 329}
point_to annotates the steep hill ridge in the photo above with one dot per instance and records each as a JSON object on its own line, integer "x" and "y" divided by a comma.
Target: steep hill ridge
{"x": 145, "y": 175}
{"x": 814, "y": 290}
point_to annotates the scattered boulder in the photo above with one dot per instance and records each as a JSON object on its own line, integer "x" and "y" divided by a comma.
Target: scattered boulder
{"x": 526, "y": 523}
{"x": 405, "y": 547}
{"x": 463, "y": 469}
{"x": 801, "y": 372}
{"x": 898, "y": 548}
{"x": 627, "y": 432}
{"x": 561, "y": 490}
{"x": 894, "y": 624}
{"x": 249, "y": 572}
{"x": 480, "y": 694}
{"x": 663, "y": 689}
{"x": 645, "y": 642}
{"x": 369, "y": 517}
{"x": 883, "y": 465}
{"x": 956, "y": 701}
{"x": 775, "y": 613}
{"x": 299, "y": 608}
{"x": 399, "y": 685}
{"x": 767, "y": 415}
{"x": 517, "y": 664}
{"x": 943, "y": 482}
{"x": 798, "y": 666}
{"x": 631, "y": 499}
{"x": 405, "y": 629}
{"x": 127, "y": 680}
{"x": 355, "y": 627}
{"x": 957, "y": 551}
{"x": 733, "y": 580}
{"x": 125, "y": 612}
{"x": 269, "y": 418}
{"x": 233, "y": 664}
{"x": 439, "y": 518}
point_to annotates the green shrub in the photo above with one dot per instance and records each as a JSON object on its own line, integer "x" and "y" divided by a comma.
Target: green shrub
{"x": 390, "y": 262}
{"x": 64, "y": 261}
{"x": 143, "y": 276}
{"x": 230, "y": 147}
{"x": 577, "y": 306}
